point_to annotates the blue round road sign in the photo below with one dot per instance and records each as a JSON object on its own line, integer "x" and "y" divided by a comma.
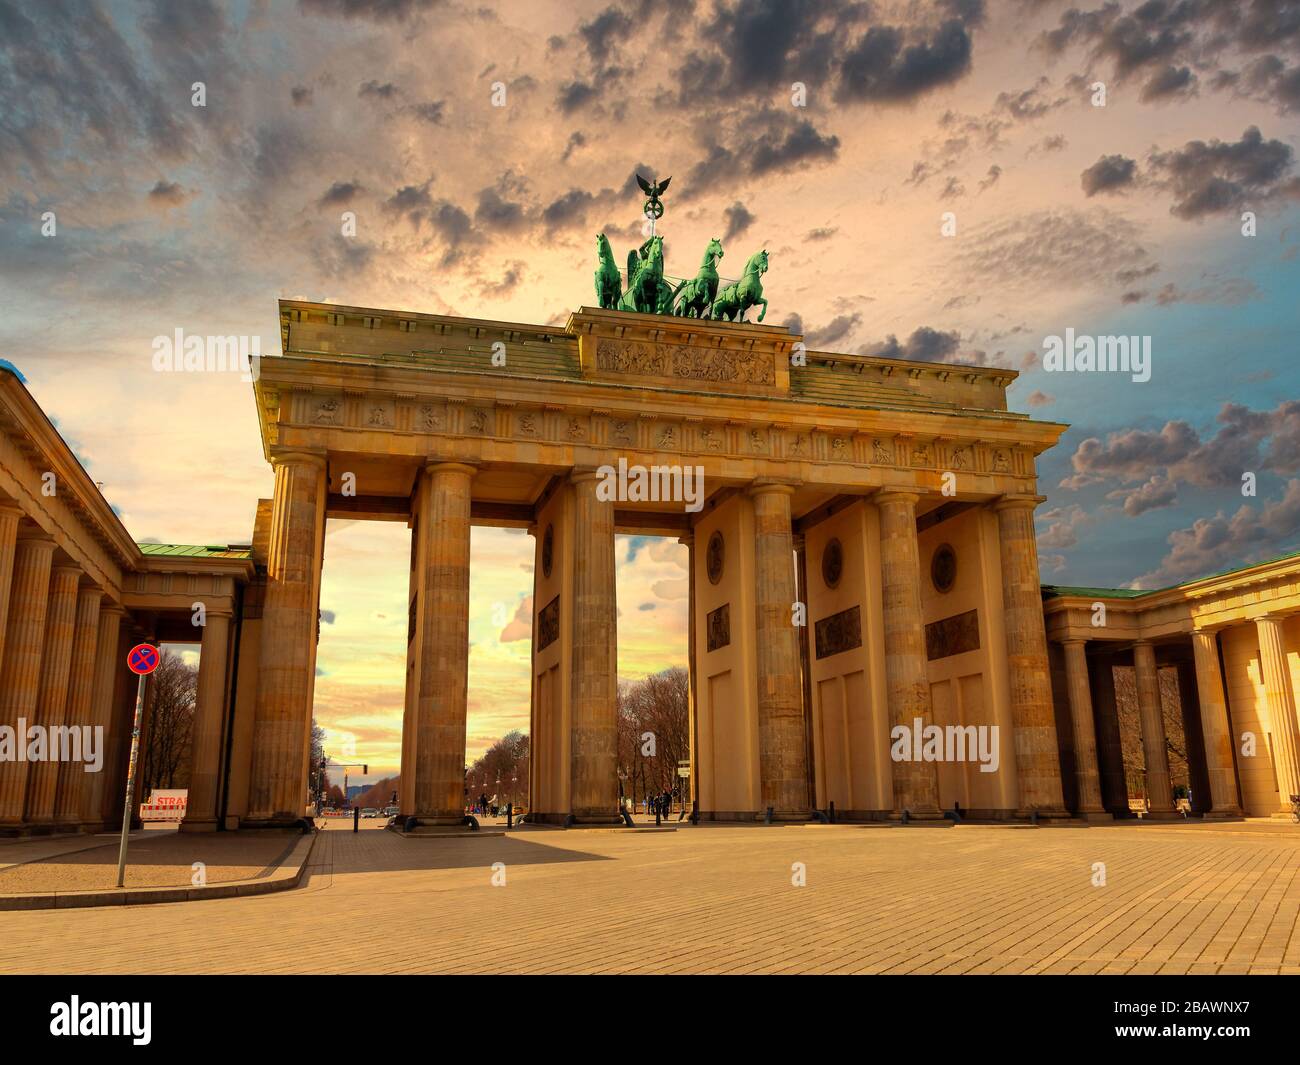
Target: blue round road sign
{"x": 143, "y": 659}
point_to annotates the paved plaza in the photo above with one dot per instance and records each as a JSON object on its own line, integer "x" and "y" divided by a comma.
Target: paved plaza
{"x": 1178, "y": 898}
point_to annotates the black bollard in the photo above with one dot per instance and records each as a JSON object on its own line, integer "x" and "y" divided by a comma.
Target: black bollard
{"x": 356, "y": 819}
{"x": 830, "y": 813}
{"x": 510, "y": 815}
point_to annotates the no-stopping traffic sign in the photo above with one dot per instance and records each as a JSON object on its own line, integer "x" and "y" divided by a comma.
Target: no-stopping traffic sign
{"x": 143, "y": 659}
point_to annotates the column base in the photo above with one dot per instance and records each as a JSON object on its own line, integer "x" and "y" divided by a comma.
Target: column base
{"x": 1231, "y": 814}
{"x": 1162, "y": 815}
{"x": 918, "y": 815}
{"x": 199, "y": 824}
{"x": 1095, "y": 816}
{"x": 281, "y": 822}
{"x": 1045, "y": 813}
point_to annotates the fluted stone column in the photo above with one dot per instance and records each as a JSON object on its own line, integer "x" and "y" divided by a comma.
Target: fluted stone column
{"x": 103, "y": 690}
{"x": 442, "y": 659}
{"x": 286, "y": 673}
{"x": 1160, "y": 797}
{"x": 782, "y": 743}
{"x": 20, "y": 674}
{"x": 907, "y": 680}
{"x": 1215, "y": 729}
{"x": 52, "y": 701}
{"x": 77, "y": 715}
{"x": 1281, "y": 707}
{"x": 10, "y": 515}
{"x": 1038, "y": 766}
{"x": 209, "y": 718}
{"x": 593, "y": 760}
{"x": 1085, "y": 733}
{"x": 692, "y": 665}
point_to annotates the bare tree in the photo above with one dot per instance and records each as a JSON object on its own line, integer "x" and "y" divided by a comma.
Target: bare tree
{"x": 653, "y": 732}
{"x": 166, "y": 759}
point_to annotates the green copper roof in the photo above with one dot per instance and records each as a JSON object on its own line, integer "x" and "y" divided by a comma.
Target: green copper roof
{"x": 1051, "y": 591}
{"x": 191, "y": 551}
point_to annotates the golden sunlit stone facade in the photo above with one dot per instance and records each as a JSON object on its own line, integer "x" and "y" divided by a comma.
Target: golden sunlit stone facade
{"x": 862, "y": 561}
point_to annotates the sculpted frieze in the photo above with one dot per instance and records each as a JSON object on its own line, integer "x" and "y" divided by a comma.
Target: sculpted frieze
{"x": 645, "y": 359}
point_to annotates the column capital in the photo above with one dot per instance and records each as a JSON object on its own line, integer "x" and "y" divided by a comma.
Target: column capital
{"x": 298, "y": 456}
{"x": 581, "y": 474}
{"x": 897, "y": 495}
{"x": 1009, "y": 502}
{"x": 66, "y": 567}
{"x": 763, "y": 486}
{"x": 10, "y": 509}
{"x": 111, "y": 607}
{"x": 449, "y": 466}
{"x": 34, "y": 534}
{"x": 1073, "y": 641}
{"x": 1273, "y": 618}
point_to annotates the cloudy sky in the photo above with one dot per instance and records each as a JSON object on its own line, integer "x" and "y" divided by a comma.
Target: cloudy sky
{"x": 480, "y": 146}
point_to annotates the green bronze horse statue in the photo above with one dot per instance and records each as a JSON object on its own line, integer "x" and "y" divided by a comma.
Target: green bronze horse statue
{"x": 694, "y": 298}
{"x": 647, "y": 291}
{"x": 609, "y": 284}
{"x": 734, "y": 300}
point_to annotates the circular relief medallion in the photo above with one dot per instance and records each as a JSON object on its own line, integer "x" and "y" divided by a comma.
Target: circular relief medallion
{"x": 943, "y": 568}
{"x": 714, "y": 557}
{"x": 832, "y": 563}
{"x": 548, "y": 550}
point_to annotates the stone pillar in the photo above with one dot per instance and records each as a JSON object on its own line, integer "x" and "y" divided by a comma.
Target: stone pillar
{"x": 20, "y": 674}
{"x": 1085, "y": 734}
{"x": 803, "y": 635}
{"x": 1160, "y": 799}
{"x": 10, "y": 515}
{"x": 1281, "y": 707}
{"x": 916, "y": 783}
{"x": 81, "y": 679}
{"x": 209, "y": 722}
{"x": 593, "y": 789}
{"x": 692, "y": 665}
{"x": 1038, "y": 766}
{"x": 107, "y": 665}
{"x": 1215, "y": 729}
{"x": 782, "y": 744}
{"x": 289, "y": 626}
{"x": 442, "y": 658}
{"x": 52, "y": 701}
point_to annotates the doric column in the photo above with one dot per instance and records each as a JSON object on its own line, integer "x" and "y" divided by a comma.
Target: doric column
{"x": 52, "y": 701}
{"x": 442, "y": 658}
{"x": 1085, "y": 734}
{"x": 81, "y": 679}
{"x": 289, "y": 626}
{"x": 916, "y": 783}
{"x": 1215, "y": 730}
{"x": 692, "y": 665}
{"x": 782, "y": 745}
{"x": 10, "y": 515}
{"x": 1281, "y": 707}
{"x": 593, "y": 761}
{"x": 20, "y": 675}
{"x": 106, "y": 668}
{"x": 1160, "y": 796}
{"x": 1038, "y": 766}
{"x": 209, "y": 719}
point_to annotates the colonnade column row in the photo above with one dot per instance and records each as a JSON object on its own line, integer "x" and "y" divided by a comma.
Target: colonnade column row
{"x": 20, "y": 672}
{"x": 73, "y": 780}
{"x": 593, "y": 760}
{"x": 289, "y": 618}
{"x": 209, "y": 716}
{"x": 1280, "y": 694}
{"x": 106, "y": 668}
{"x": 1216, "y": 733}
{"x": 782, "y": 743}
{"x": 916, "y": 783}
{"x": 1038, "y": 767}
{"x": 442, "y": 659}
{"x": 10, "y": 515}
{"x": 1160, "y": 795}
{"x": 1085, "y": 733}
{"x": 51, "y": 701}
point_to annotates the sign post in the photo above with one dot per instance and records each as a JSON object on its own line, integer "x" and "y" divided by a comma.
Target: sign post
{"x": 142, "y": 660}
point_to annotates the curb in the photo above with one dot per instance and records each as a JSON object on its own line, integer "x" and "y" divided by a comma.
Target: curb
{"x": 287, "y": 874}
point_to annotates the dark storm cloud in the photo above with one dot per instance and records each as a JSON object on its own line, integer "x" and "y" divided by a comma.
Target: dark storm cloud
{"x": 573, "y": 207}
{"x": 1206, "y": 178}
{"x": 453, "y": 225}
{"x": 498, "y": 214}
{"x": 168, "y": 194}
{"x": 924, "y": 345}
{"x": 413, "y": 201}
{"x": 374, "y": 89}
{"x": 739, "y": 219}
{"x": 834, "y": 331}
{"x": 339, "y": 194}
{"x": 302, "y": 96}
{"x": 1110, "y": 173}
{"x": 370, "y": 10}
{"x": 431, "y": 112}
{"x": 576, "y": 140}
{"x": 602, "y": 32}
{"x": 575, "y": 95}
{"x": 883, "y": 67}
{"x": 1169, "y": 81}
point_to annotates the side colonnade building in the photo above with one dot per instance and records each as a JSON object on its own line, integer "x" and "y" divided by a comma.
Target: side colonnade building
{"x": 862, "y": 560}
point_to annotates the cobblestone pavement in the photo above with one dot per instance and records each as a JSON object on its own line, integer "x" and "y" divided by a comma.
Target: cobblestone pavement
{"x": 157, "y": 857}
{"x": 1178, "y": 898}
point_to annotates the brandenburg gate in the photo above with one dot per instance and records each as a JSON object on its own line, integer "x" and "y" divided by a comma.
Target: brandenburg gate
{"x": 862, "y": 555}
